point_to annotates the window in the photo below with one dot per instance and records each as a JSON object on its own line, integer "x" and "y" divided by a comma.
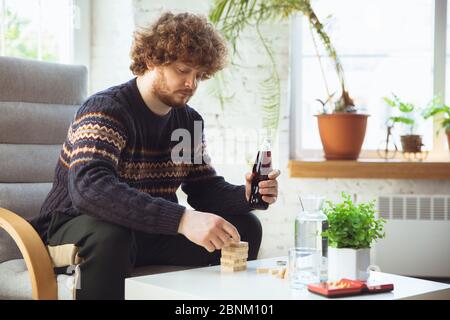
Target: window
{"x": 40, "y": 29}
{"x": 385, "y": 47}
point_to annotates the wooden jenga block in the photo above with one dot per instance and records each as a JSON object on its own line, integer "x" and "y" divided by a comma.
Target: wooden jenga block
{"x": 232, "y": 261}
{"x": 236, "y": 247}
{"x": 241, "y": 244}
{"x": 281, "y": 273}
{"x": 262, "y": 270}
{"x": 233, "y": 268}
{"x": 244, "y": 265}
{"x": 232, "y": 256}
{"x": 274, "y": 271}
{"x": 234, "y": 250}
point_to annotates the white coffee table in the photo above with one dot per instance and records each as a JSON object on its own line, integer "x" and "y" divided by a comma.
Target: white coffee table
{"x": 211, "y": 283}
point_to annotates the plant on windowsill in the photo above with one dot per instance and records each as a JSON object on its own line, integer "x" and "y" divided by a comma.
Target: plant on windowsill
{"x": 351, "y": 231}
{"x": 411, "y": 142}
{"x": 341, "y": 128}
{"x": 435, "y": 108}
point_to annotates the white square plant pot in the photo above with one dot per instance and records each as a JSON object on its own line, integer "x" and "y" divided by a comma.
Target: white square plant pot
{"x": 348, "y": 263}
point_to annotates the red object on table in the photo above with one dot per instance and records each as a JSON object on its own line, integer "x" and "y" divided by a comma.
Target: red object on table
{"x": 347, "y": 287}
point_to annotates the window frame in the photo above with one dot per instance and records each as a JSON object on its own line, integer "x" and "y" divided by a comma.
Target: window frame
{"x": 79, "y": 50}
{"x": 297, "y": 151}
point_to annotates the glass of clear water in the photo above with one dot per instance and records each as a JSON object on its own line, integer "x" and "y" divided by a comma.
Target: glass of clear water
{"x": 304, "y": 267}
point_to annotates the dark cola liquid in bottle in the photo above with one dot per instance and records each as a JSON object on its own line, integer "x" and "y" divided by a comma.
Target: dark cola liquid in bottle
{"x": 260, "y": 172}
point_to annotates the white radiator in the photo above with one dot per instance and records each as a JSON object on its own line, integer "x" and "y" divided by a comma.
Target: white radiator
{"x": 417, "y": 239}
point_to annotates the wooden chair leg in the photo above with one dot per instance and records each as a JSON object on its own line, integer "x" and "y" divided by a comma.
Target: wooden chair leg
{"x": 37, "y": 259}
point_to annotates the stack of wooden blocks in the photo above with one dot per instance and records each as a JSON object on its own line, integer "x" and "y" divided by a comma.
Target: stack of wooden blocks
{"x": 234, "y": 257}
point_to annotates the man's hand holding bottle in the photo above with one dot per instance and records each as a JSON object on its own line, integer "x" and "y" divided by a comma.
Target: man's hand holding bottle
{"x": 261, "y": 187}
{"x": 268, "y": 189}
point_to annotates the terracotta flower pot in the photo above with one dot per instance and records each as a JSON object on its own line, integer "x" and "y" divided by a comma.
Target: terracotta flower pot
{"x": 411, "y": 143}
{"x": 342, "y": 134}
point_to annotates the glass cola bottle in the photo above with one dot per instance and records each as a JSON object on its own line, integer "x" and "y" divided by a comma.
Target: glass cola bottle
{"x": 260, "y": 172}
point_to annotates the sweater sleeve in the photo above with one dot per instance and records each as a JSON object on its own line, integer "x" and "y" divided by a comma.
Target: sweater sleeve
{"x": 97, "y": 137}
{"x": 208, "y": 192}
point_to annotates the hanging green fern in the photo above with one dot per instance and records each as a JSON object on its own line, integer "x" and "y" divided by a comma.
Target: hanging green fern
{"x": 233, "y": 16}
{"x": 271, "y": 103}
{"x": 271, "y": 90}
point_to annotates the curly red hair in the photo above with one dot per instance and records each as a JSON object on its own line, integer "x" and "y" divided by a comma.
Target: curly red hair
{"x": 186, "y": 37}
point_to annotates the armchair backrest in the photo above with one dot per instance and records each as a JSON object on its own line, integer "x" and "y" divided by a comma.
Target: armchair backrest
{"x": 38, "y": 100}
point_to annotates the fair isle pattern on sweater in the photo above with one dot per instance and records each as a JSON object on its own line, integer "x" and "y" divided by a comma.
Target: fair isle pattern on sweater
{"x": 88, "y": 131}
{"x": 93, "y": 129}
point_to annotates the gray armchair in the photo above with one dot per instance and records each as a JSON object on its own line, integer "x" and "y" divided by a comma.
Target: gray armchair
{"x": 37, "y": 103}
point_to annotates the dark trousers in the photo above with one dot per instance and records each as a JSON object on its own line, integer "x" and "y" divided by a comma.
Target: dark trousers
{"x": 109, "y": 252}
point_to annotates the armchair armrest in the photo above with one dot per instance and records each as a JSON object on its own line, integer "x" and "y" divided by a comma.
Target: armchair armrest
{"x": 37, "y": 259}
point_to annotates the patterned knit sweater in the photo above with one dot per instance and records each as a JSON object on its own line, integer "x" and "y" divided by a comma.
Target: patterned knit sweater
{"x": 115, "y": 164}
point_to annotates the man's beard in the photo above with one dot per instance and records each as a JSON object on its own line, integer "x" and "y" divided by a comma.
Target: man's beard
{"x": 161, "y": 91}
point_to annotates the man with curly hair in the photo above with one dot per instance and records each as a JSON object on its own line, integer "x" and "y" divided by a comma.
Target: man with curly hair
{"x": 113, "y": 204}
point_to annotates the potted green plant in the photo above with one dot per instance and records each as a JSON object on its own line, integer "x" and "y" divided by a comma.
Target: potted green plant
{"x": 411, "y": 142}
{"x": 436, "y": 107}
{"x": 341, "y": 128}
{"x": 351, "y": 231}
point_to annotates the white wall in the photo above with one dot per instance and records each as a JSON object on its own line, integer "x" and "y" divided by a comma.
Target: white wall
{"x": 112, "y": 25}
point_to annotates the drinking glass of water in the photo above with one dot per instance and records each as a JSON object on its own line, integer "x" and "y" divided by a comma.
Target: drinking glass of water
{"x": 304, "y": 267}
